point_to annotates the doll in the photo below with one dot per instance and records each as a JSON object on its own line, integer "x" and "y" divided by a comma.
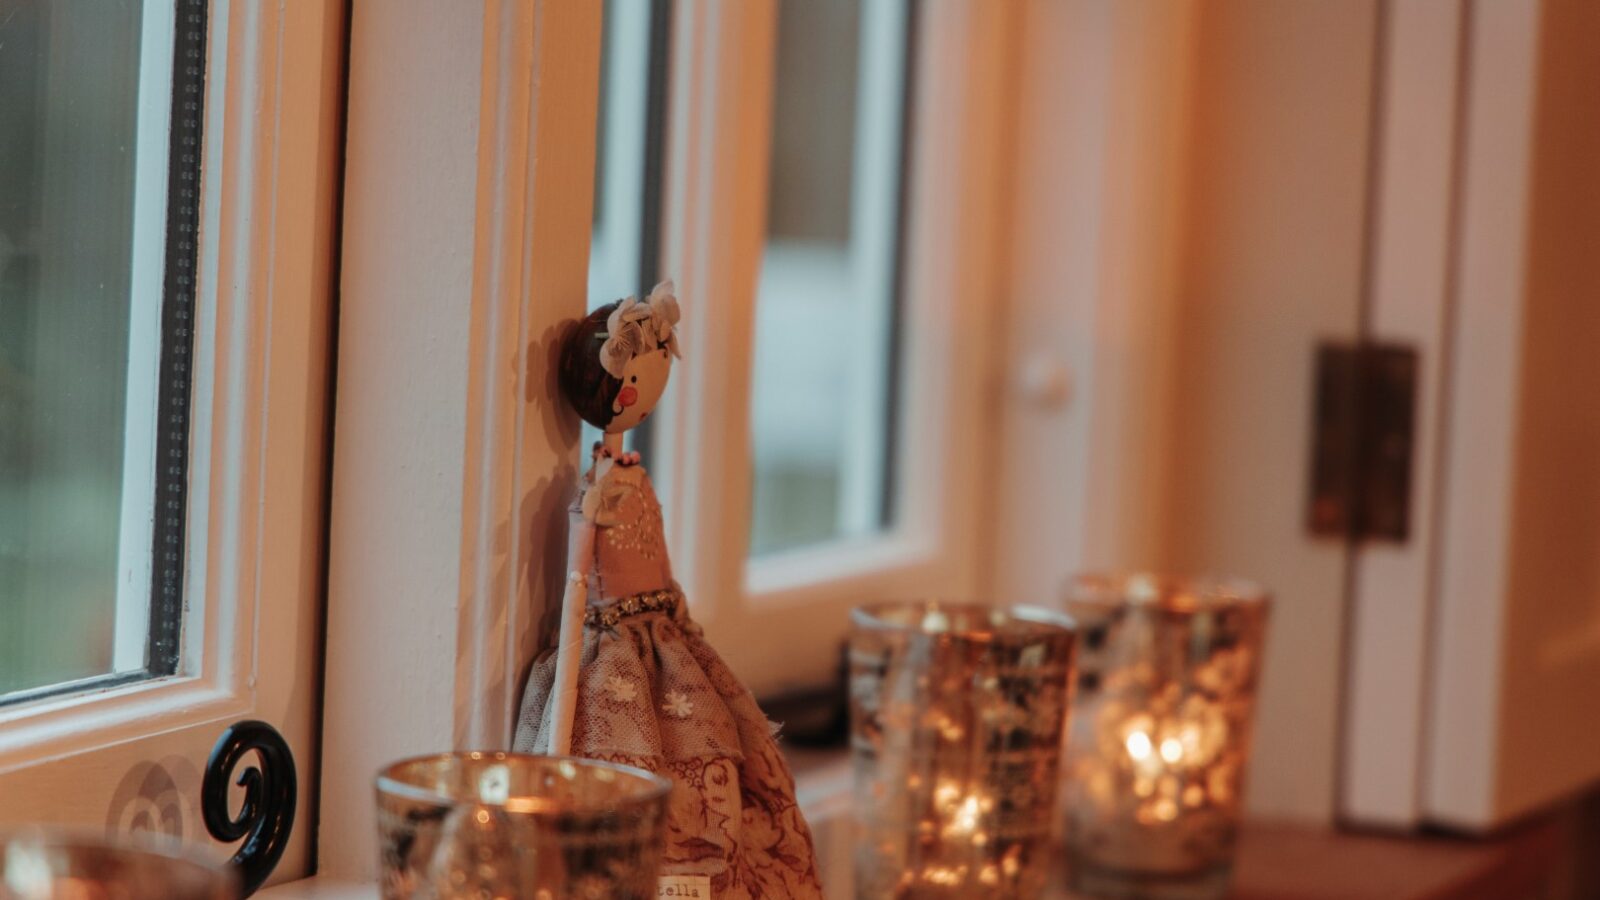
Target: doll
{"x": 642, "y": 687}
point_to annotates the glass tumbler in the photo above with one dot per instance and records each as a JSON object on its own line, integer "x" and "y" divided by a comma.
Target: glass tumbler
{"x": 957, "y": 714}
{"x": 1160, "y": 732}
{"x": 40, "y": 865}
{"x": 462, "y": 825}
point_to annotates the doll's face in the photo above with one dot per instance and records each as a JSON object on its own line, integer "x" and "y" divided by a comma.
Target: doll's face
{"x": 643, "y": 380}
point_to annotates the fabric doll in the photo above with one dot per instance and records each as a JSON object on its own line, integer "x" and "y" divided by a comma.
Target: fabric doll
{"x": 643, "y": 687}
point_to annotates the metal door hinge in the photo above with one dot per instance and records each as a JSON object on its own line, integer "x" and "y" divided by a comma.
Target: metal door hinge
{"x": 1364, "y": 430}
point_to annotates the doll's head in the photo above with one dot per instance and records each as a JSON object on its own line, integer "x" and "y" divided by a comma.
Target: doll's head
{"x": 615, "y": 363}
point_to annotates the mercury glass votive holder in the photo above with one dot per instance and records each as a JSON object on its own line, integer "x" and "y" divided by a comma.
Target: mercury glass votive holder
{"x": 42, "y": 865}
{"x": 489, "y": 825}
{"x": 1160, "y": 732}
{"x": 957, "y": 714}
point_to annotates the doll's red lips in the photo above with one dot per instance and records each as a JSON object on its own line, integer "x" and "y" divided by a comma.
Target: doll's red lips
{"x": 628, "y": 396}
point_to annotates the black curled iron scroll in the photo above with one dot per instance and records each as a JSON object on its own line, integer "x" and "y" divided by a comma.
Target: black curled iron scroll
{"x": 267, "y": 815}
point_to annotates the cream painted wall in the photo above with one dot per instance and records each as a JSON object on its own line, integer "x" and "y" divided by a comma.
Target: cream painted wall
{"x": 1193, "y": 182}
{"x": 1551, "y": 639}
{"x": 1188, "y": 225}
{"x": 1277, "y": 181}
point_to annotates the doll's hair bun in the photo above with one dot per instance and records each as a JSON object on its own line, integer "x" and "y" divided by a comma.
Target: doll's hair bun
{"x": 583, "y": 380}
{"x": 597, "y": 348}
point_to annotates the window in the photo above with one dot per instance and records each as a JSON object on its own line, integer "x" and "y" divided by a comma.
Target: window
{"x": 167, "y": 174}
{"x": 763, "y": 157}
{"x": 822, "y": 415}
{"x": 827, "y": 218}
{"x": 822, "y": 422}
{"x": 454, "y": 460}
{"x": 98, "y": 205}
{"x": 625, "y": 249}
{"x": 624, "y": 254}
{"x": 800, "y": 241}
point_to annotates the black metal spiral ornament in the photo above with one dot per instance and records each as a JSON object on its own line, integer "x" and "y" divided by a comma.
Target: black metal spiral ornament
{"x": 267, "y": 816}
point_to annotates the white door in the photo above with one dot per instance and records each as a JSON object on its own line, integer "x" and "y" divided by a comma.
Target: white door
{"x": 1472, "y": 647}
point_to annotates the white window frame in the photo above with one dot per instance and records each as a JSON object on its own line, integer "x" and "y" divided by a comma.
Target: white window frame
{"x": 778, "y": 619}
{"x": 137, "y": 532}
{"x": 446, "y": 552}
{"x": 454, "y": 455}
{"x": 256, "y": 458}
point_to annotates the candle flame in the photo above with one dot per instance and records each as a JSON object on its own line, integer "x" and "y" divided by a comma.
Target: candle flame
{"x": 965, "y": 820}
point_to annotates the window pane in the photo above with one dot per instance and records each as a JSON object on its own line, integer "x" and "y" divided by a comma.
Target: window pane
{"x": 821, "y": 408}
{"x": 624, "y": 249}
{"x": 86, "y": 102}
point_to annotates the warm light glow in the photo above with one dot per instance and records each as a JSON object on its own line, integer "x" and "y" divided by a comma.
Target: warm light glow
{"x": 1139, "y": 746}
{"x": 965, "y": 820}
{"x": 494, "y": 783}
{"x": 1171, "y": 750}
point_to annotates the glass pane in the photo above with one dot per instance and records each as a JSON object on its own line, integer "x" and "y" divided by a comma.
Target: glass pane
{"x": 86, "y": 96}
{"x": 823, "y": 380}
{"x": 623, "y": 250}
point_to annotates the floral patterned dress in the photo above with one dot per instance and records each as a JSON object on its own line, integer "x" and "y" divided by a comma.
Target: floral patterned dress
{"x": 653, "y": 694}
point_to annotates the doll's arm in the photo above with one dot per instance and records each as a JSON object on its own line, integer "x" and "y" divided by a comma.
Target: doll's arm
{"x": 569, "y": 652}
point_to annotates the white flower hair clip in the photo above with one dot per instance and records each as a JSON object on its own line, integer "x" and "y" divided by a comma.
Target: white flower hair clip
{"x": 639, "y": 326}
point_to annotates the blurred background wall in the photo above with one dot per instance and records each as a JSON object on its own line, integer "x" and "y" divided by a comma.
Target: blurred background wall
{"x": 1269, "y": 177}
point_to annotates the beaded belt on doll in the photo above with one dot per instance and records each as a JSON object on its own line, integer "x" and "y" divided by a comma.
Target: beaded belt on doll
{"x": 655, "y": 601}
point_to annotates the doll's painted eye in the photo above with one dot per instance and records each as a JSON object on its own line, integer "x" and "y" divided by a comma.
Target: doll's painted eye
{"x": 634, "y": 379}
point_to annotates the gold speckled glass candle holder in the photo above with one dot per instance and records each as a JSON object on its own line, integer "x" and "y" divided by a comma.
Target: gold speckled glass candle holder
{"x": 957, "y": 714}
{"x": 510, "y": 825}
{"x": 41, "y": 865}
{"x": 1160, "y": 732}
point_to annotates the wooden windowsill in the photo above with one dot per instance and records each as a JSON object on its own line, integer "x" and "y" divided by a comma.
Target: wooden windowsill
{"x": 1288, "y": 862}
{"x": 1282, "y": 861}
{"x": 1275, "y": 862}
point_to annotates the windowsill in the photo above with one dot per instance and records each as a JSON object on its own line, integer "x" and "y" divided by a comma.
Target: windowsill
{"x": 822, "y": 785}
{"x": 317, "y": 888}
{"x": 1282, "y": 862}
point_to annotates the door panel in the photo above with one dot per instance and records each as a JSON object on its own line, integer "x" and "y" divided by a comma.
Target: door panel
{"x": 1274, "y": 249}
{"x": 1413, "y": 223}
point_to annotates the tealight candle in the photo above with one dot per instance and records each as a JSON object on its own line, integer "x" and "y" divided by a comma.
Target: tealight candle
{"x": 957, "y": 719}
{"x": 509, "y": 825}
{"x": 1160, "y": 733}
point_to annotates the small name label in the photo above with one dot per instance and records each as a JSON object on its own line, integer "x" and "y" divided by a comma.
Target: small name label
{"x": 684, "y": 886}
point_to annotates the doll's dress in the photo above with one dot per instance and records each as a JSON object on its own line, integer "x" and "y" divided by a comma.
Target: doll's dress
{"x": 653, "y": 694}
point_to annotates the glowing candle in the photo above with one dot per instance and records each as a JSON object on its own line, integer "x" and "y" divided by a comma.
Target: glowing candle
{"x": 957, "y": 716}
{"x": 1160, "y": 733}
